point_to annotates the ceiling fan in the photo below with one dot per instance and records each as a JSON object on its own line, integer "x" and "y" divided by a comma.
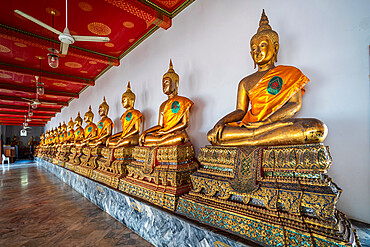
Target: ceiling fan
{"x": 65, "y": 37}
{"x": 35, "y": 102}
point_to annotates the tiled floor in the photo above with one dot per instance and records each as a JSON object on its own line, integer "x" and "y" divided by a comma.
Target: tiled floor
{"x": 37, "y": 209}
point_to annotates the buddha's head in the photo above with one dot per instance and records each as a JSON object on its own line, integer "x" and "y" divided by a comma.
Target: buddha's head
{"x": 46, "y": 134}
{"x": 265, "y": 43}
{"x": 170, "y": 82}
{"x": 78, "y": 120}
{"x": 71, "y": 124}
{"x": 55, "y": 131}
{"x": 64, "y": 127}
{"x": 103, "y": 108}
{"x": 89, "y": 116}
{"x": 42, "y": 137}
{"x": 128, "y": 98}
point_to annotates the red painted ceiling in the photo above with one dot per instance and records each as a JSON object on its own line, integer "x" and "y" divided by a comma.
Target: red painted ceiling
{"x": 24, "y": 48}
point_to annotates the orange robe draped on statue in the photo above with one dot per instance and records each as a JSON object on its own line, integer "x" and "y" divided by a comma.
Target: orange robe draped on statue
{"x": 89, "y": 130}
{"x": 103, "y": 125}
{"x": 129, "y": 119}
{"x": 273, "y": 91}
{"x": 174, "y": 111}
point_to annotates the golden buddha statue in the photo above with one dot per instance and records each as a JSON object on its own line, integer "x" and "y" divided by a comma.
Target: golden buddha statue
{"x": 42, "y": 140}
{"x": 63, "y": 133}
{"x": 173, "y": 116}
{"x": 55, "y": 135}
{"x": 90, "y": 129}
{"x": 79, "y": 132}
{"x": 105, "y": 126}
{"x": 70, "y": 133}
{"x": 131, "y": 123}
{"x": 275, "y": 96}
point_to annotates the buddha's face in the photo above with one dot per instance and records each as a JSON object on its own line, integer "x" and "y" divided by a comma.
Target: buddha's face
{"x": 103, "y": 111}
{"x": 87, "y": 118}
{"x": 263, "y": 50}
{"x": 78, "y": 123}
{"x": 70, "y": 126}
{"x": 127, "y": 102}
{"x": 168, "y": 85}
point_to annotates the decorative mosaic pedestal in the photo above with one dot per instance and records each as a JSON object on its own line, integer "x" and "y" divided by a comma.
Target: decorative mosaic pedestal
{"x": 73, "y": 158}
{"x": 160, "y": 175}
{"x": 278, "y": 196}
{"x": 88, "y": 161}
{"x": 112, "y": 165}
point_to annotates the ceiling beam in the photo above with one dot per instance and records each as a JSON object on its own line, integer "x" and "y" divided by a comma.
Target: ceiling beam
{"x": 48, "y": 115}
{"x": 33, "y": 90}
{"x": 26, "y": 108}
{"x": 20, "y": 124}
{"x": 30, "y": 39}
{"x": 20, "y": 119}
{"x": 4, "y": 67}
{"x": 144, "y": 12}
{"x": 20, "y": 99}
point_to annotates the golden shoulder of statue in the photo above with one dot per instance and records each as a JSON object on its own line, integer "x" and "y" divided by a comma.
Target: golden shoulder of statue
{"x": 275, "y": 95}
{"x": 131, "y": 123}
{"x": 173, "y": 116}
{"x": 105, "y": 126}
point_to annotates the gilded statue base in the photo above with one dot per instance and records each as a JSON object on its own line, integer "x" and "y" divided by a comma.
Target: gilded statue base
{"x": 73, "y": 158}
{"x": 272, "y": 195}
{"x": 88, "y": 161}
{"x": 112, "y": 165}
{"x": 160, "y": 174}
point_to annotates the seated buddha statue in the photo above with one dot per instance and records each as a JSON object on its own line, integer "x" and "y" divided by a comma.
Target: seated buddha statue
{"x": 173, "y": 116}
{"x": 131, "y": 123}
{"x": 70, "y": 133}
{"x": 105, "y": 126}
{"x": 90, "y": 129}
{"x": 63, "y": 133}
{"x": 79, "y": 132}
{"x": 275, "y": 96}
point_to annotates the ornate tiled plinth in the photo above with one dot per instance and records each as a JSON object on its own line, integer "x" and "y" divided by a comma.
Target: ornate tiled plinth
{"x": 156, "y": 226}
{"x": 88, "y": 161}
{"x": 272, "y": 195}
{"x": 112, "y": 165}
{"x": 160, "y": 175}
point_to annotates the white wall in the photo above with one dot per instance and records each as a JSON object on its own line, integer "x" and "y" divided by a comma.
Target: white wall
{"x": 209, "y": 44}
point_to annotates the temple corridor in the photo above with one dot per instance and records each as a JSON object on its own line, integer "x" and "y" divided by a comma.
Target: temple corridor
{"x": 37, "y": 209}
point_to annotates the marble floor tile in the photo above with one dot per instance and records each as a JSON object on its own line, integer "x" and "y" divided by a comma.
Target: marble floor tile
{"x": 37, "y": 209}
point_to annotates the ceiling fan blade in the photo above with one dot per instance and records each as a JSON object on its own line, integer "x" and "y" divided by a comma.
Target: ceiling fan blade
{"x": 48, "y": 103}
{"x": 30, "y": 100}
{"x": 63, "y": 48}
{"x": 91, "y": 38}
{"x": 37, "y": 21}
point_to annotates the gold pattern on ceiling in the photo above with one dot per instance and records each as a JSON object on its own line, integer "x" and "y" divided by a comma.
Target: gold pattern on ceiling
{"x": 99, "y": 28}
{"x": 20, "y": 44}
{"x": 59, "y": 84}
{"x": 109, "y": 44}
{"x": 5, "y": 76}
{"x": 19, "y": 59}
{"x": 85, "y": 6}
{"x": 3, "y": 48}
{"x": 128, "y": 24}
{"x": 73, "y": 65}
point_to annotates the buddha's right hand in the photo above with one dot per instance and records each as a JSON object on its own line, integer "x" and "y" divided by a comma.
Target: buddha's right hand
{"x": 214, "y": 135}
{"x": 142, "y": 138}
